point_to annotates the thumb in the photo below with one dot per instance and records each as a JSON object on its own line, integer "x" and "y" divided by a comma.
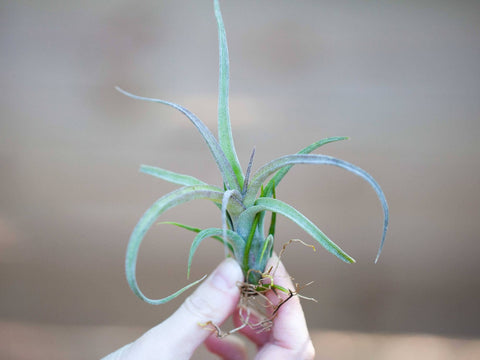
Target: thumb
{"x": 179, "y": 335}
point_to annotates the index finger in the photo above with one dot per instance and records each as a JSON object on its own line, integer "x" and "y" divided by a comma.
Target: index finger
{"x": 289, "y": 337}
{"x": 290, "y": 327}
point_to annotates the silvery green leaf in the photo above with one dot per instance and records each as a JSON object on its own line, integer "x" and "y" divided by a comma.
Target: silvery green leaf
{"x": 274, "y": 205}
{"x": 170, "y": 176}
{"x": 166, "y": 202}
{"x": 224, "y": 166}
{"x": 267, "y": 170}
{"x": 172, "y": 296}
{"x": 224, "y": 128}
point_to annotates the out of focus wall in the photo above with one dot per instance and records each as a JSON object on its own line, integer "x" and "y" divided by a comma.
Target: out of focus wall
{"x": 400, "y": 78}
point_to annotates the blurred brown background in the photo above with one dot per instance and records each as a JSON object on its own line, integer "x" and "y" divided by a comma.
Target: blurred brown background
{"x": 401, "y": 78}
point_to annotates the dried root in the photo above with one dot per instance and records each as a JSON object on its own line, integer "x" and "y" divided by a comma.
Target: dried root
{"x": 259, "y": 303}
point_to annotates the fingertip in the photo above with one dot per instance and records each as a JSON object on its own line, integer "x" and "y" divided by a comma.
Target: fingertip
{"x": 289, "y": 330}
{"x": 216, "y": 298}
{"x": 226, "y": 275}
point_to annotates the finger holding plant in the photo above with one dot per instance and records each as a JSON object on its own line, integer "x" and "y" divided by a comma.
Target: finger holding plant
{"x": 244, "y": 201}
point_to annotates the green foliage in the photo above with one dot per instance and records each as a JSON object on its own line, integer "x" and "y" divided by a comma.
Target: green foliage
{"x": 243, "y": 201}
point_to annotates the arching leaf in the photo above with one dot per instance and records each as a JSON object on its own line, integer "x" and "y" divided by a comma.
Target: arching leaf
{"x": 274, "y": 205}
{"x": 166, "y": 202}
{"x": 224, "y": 166}
{"x": 275, "y": 180}
{"x": 267, "y": 170}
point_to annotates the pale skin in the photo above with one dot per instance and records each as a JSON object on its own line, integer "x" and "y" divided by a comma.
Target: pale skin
{"x": 215, "y": 300}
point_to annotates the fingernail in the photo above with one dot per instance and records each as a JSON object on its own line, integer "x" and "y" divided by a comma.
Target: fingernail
{"x": 226, "y": 275}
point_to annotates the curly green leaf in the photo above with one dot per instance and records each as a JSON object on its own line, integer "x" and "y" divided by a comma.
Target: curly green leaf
{"x": 264, "y": 172}
{"x": 166, "y": 202}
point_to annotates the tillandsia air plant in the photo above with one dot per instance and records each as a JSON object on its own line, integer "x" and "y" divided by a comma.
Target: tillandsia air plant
{"x": 244, "y": 200}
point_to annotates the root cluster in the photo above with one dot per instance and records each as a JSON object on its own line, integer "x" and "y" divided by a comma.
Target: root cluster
{"x": 259, "y": 303}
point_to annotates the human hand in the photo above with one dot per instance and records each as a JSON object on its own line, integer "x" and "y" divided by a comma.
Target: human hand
{"x": 287, "y": 339}
{"x": 214, "y": 301}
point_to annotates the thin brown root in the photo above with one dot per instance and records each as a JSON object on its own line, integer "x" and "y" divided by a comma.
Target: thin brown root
{"x": 220, "y": 332}
{"x": 284, "y": 247}
{"x": 256, "y": 310}
{"x": 299, "y": 288}
{"x": 307, "y": 298}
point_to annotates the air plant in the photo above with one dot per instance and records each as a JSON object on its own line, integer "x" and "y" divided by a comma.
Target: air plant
{"x": 244, "y": 200}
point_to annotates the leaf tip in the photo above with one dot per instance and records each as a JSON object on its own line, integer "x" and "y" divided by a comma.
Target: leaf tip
{"x": 119, "y": 89}
{"x": 348, "y": 259}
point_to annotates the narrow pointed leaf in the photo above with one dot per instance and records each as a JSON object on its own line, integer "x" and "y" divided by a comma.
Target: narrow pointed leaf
{"x": 237, "y": 243}
{"x": 172, "y": 296}
{"x": 274, "y": 205}
{"x": 224, "y": 166}
{"x": 224, "y": 128}
{"x": 273, "y": 220}
{"x": 247, "y": 174}
{"x": 264, "y": 172}
{"x": 170, "y": 176}
{"x": 267, "y": 248}
{"x": 197, "y": 230}
{"x": 166, "y": 202}
{"x": 275, "y": 180}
